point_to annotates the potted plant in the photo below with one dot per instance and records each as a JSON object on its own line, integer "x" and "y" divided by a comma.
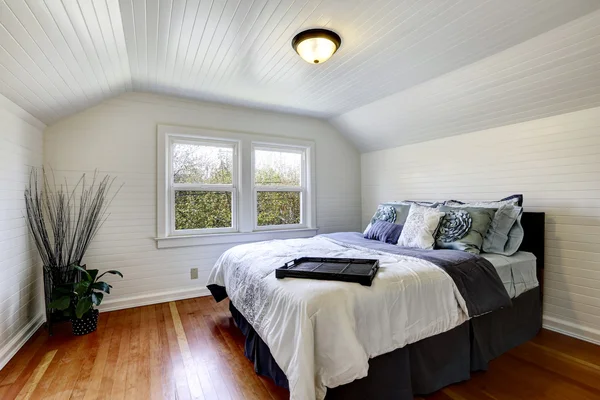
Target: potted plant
{"x": 77, "y": 300}
{"x": 63, "y": 219}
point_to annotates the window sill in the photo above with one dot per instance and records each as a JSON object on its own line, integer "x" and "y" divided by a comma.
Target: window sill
{"x": 233, "y": 238}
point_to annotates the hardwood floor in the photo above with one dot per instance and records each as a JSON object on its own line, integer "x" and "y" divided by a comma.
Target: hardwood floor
{"x": 191, "y": 349}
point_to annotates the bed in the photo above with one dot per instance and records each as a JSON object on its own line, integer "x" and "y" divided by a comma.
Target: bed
{"x": 316, "y": 338}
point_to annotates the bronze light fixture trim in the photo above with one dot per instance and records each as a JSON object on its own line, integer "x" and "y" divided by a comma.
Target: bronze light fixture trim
{"x": 316, "y": 46}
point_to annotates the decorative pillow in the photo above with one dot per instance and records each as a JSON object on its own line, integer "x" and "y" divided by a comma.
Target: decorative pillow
{"x": 506, "y": 233}
{"x": 455, "y": 225}
{"x": 402, "y": 210}
{"x": 384, "y": 232}
{"x": 496, "y": 240}
{"x": 464, "y": 228}
{"x": 383, "y": 211}
{"x": 420, "y": 227}
{"x": 515, "y": 200}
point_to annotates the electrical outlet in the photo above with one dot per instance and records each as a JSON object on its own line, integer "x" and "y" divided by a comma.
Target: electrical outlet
{"x": 194, "y": 273}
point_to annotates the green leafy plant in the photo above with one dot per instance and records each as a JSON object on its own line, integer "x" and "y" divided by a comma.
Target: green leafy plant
{"x": 77, "y": 299}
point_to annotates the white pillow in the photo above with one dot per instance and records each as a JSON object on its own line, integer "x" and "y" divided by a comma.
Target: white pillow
{"x": 420, "y": 227}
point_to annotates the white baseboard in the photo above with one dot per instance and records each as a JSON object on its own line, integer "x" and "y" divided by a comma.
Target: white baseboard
{"x": 153, "y": 298}
{"x": 570, "y": 329}
{"x": 19, "y": 339}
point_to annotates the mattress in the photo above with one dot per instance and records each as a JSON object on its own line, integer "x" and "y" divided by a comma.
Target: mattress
{"x": 517, "y": 272}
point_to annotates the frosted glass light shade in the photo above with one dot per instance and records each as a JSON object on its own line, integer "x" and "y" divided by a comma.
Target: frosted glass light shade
{"x": 316, "y": 45}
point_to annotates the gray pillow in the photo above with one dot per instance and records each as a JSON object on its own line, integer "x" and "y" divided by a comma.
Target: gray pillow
{"x": 503, "y": 223}
{"x": 515, "y": 199}
{"x": 401, "y": 212}
{"x": 515, "y": 238}
{"x": 432, "y": 204}
{"x": 506, "y": 233}
{"x": 464, "y": 228}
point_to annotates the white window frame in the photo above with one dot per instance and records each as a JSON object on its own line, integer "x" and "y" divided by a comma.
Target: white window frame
{"x": 272, "y": 188}
{"x": 232, "y": 188}
{"x": 244, "y": 210}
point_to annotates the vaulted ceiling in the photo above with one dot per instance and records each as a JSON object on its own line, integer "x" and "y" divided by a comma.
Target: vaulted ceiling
{"x": 407, "y": 70}
{"x": 551, "y": 74}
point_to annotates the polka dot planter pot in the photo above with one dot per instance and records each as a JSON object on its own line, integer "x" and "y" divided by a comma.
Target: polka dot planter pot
{"x": 85, "y": 325}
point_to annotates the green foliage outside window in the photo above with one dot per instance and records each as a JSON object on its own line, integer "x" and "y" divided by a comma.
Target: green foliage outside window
{"x": 278, "y": 208}
{"x": 201, "y": 210}
{"x": 213, "y": 209}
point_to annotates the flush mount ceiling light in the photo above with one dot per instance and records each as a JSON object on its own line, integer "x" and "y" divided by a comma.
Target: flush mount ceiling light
{"x": 316, "y": 45}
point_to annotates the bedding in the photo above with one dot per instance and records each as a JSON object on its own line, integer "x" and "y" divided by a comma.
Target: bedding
{"x": 320, "y": 332}
{"x": 515, "y": 237}
{"x": 506, "y": 225}
{"x": 517, "y": 272}
{"x": 506, "y": 233}
{"x": 401, "y": 210}
{"x": 384, "y": 231}
{"x": 515, "y": 199}
{"x": 455, "y": 221}
{"x": 425, "y": 366}
{"x": 432, "y": 204}
{"x": 475, "y": 278}
{"x": 384, "y": 212}
{"x": 420, "y": 227}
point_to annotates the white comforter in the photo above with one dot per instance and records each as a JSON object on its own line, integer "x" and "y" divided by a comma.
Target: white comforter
{"x": 322, "y": 333}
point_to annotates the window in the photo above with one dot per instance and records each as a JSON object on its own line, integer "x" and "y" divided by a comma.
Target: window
{"x": 216, "y": 184}
{"x": 279, "y": 186}
{"x": 203, "y": 186}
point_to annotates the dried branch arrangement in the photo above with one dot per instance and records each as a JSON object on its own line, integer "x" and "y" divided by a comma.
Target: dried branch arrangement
{"x": 64, "y": 221}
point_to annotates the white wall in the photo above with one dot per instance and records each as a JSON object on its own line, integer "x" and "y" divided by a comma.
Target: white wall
{"x": 21, "y": 299}
{"x": 554, "y": 162}
{"x": 119, "y": 137}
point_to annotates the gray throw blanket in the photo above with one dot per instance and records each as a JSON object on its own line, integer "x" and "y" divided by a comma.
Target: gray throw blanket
{"x": 476, "y": 278}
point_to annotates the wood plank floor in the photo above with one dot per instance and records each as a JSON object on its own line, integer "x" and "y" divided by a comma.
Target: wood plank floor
{"x": 191, "y": 349}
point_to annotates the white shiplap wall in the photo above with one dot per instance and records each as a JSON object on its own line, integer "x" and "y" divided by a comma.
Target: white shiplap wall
{"x": 554, "y": 162}
{"x": 119, "y": 137}
{"x": 21, "y": 300}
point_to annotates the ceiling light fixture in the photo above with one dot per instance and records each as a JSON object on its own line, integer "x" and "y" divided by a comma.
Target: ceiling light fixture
{"x": 316, "y": 45}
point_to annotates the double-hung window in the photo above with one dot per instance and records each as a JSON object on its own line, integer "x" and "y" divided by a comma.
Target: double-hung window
{"x": 227, "y": 187}
{"x": 203, "y": 186}
{"x": 279, "y": 176}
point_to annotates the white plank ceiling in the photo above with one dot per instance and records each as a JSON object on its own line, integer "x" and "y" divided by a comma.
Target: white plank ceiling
{"x": 58, "y": 57}
{"x": 554, "y": 73}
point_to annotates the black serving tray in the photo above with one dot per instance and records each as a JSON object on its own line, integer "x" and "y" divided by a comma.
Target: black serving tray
{"x": 332, "y": 269}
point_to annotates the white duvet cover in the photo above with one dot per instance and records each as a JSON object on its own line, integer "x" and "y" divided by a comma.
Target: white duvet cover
{"x": 322, "y": 333}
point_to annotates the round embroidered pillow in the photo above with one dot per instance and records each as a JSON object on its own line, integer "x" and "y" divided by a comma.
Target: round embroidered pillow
{"x": 385, "y": 213}
{"x": 455, "y": 225}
